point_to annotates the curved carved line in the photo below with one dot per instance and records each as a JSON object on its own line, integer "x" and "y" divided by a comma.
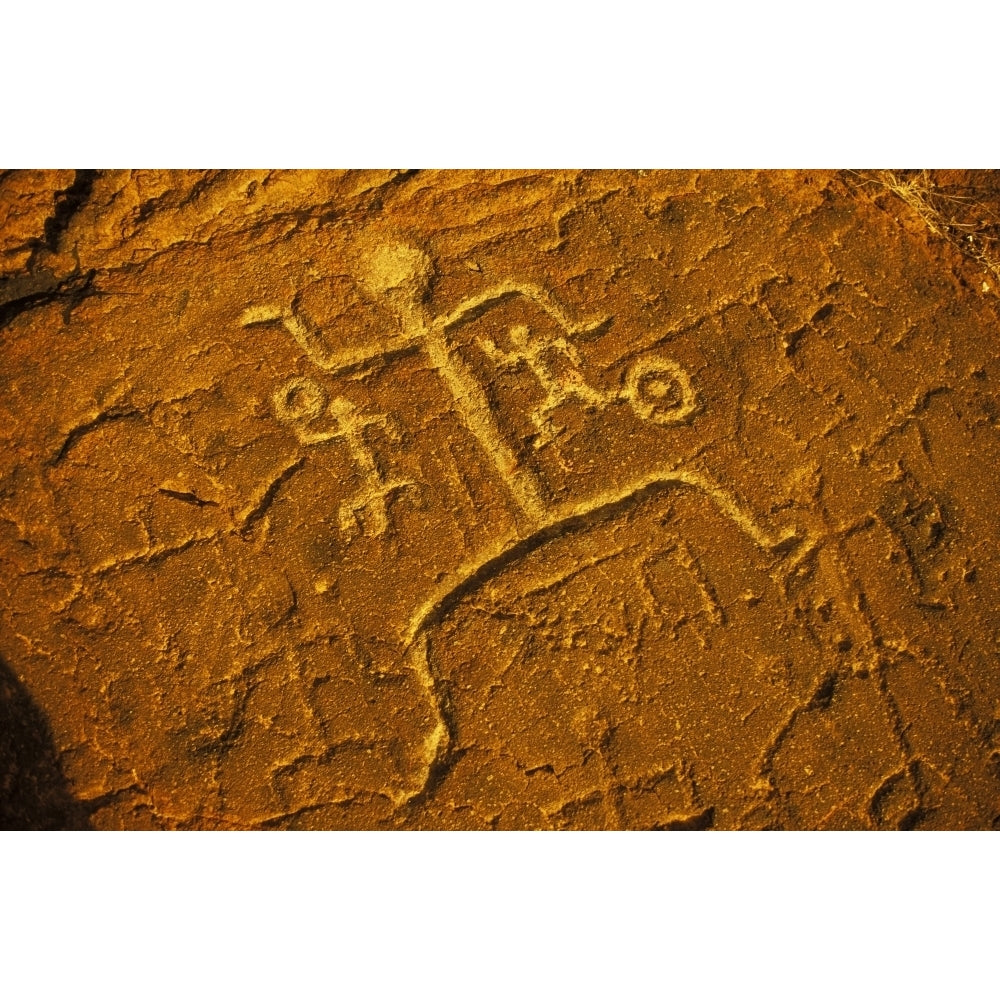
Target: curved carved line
{"x": 476, "y": 306}
{"x": 339, "y": 362}
{"x": 473, "y": 574}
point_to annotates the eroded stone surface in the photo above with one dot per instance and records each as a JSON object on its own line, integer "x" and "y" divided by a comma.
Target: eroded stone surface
{"x": 487, "y": 500}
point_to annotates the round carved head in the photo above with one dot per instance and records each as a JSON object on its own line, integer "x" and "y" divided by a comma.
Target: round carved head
{"x": 397, "y": 271}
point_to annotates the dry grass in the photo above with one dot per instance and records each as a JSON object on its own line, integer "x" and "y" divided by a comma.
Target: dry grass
{"x": 954, "y": 214}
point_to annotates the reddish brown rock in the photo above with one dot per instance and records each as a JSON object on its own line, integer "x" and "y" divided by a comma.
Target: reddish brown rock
{"x": 498, "y": 499}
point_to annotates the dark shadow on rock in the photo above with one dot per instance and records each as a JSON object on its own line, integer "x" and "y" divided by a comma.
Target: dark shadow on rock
{"x": 34, "y": 794}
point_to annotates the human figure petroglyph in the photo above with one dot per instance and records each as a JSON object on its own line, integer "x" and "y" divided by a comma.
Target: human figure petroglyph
{"x": 657, "y": 388}
{"x": 400, "y": 276}
{"x": 556, "y": 365}
{"x": 300, "y": 402}
{"x": 377, "y": 489}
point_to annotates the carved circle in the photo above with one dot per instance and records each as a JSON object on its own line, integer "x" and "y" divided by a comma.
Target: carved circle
{"x": 299, "y": 399}
{"x": 658, "y": 389}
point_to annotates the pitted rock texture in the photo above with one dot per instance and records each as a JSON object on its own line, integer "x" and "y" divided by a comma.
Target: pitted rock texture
{"x": 394, "y": 499}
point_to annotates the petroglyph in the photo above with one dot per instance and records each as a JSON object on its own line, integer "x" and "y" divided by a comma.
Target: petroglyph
{"x": 561, "y": 382}
{"x": 335, "y": 362}
{"x": 660, "y": 390}
{"x": 300, "y": 402}
{"x": 683, "y": 521}
{"x": 657, "y": 388}
{"x": 570, "y": 518}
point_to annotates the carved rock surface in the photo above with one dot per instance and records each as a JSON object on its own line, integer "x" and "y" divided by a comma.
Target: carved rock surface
{"x": 376, "y": 499}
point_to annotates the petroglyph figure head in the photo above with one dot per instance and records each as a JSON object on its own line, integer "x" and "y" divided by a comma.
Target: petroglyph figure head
{"x": 398, "y": 272}
{"x": 519, "y": 336}
{"x": 342, "y": 409}
{"x": 299, "y": 399}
